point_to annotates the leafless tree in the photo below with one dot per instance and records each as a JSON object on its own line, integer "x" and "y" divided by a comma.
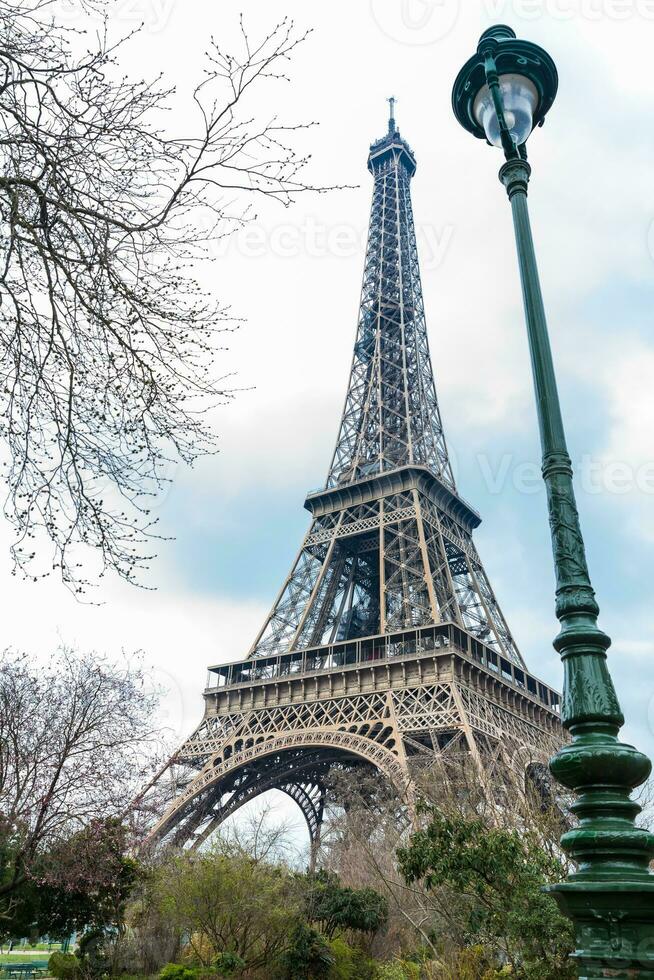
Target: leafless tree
{"x": 365, "y": 827}
{"x": 107, "y": 341}
{"x": 262, "y": 834}
{"x": 75, "y": 741}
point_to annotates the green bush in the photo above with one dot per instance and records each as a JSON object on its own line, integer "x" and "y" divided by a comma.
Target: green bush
{"x": 228, "y": 963}
{"x": 63, "y": 966}
{"x": 308, "y": 956}
{"x": 398, "y": 970}
{"x": 336, "y": 908}
{"x": 225, "y": 965}
{"x": 177, "y": 971}
{"x": 492, "y": 879}
{"x": 350, "y": 963}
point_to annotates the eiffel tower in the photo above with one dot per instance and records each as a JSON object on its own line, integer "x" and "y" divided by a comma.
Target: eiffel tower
{"x": 386, "y": 646}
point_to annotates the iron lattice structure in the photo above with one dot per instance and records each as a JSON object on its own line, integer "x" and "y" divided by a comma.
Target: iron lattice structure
{"x": 386, "y": 643}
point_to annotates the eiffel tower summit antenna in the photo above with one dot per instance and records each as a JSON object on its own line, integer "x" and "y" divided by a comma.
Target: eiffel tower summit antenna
{"x": 385, "y": 647}
{"x": 391, "y": 118}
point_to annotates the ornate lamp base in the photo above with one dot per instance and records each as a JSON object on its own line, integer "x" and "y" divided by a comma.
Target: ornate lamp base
{"x": 610, "y": 943}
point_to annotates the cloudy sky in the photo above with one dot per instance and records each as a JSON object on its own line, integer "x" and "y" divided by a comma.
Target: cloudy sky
{"x": 237, "y": 519}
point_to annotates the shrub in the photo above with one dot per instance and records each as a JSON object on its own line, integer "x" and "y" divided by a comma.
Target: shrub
{"x": 398, "y": 970}
{"x": 472, "y": 963}
{"x": 228, "y": 903}
{"x": 177, "y": 971}
{"x": 336, "y": 908}
{"x": 63, "y": 966}
{"x": 228, "y": 963}
{"x": 490, "y": 882}
{"x": 308, "y": 956}
{"x": 350, "y": 963}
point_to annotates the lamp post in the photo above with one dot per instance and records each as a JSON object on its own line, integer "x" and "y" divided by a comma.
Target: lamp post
{"x": 500, "y": 95}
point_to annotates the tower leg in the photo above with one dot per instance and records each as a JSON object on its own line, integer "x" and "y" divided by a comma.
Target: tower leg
{"x": 310, "y": 797}
{"x": 473, "y": 748}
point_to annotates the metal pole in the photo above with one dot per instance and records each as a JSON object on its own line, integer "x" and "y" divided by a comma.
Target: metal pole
{"x": 610, "y": 897}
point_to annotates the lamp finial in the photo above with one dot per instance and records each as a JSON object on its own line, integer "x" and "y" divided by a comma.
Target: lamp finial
{"x": 499, "y": 32}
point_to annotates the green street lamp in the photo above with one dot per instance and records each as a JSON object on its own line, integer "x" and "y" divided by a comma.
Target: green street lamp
{"x": 501, "y": 94}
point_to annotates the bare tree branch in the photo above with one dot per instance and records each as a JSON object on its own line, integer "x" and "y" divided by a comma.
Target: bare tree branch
{"x": 107, "y": 341}
{"x": 75, "y": 740}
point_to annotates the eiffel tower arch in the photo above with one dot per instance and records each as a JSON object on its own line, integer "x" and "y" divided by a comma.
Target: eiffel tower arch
{"x": 386, "y": 645}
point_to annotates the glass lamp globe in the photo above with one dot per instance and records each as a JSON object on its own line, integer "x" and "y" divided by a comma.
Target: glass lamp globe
{"x": 519, "y": 97}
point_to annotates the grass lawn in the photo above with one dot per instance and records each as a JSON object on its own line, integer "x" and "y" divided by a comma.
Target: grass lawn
{"x": 25, "y": 957}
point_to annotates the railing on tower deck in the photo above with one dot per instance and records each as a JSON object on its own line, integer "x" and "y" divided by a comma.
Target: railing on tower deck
{"x": 363, "y": 652}
{"x": 391, "y": 138}
{"x": 318, "y": 491}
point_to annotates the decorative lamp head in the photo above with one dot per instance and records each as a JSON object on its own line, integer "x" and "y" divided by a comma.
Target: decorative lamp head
{"x": 505, "y": 90}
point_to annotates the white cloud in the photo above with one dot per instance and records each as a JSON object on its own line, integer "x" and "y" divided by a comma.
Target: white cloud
{"x": 180, "y": 634}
